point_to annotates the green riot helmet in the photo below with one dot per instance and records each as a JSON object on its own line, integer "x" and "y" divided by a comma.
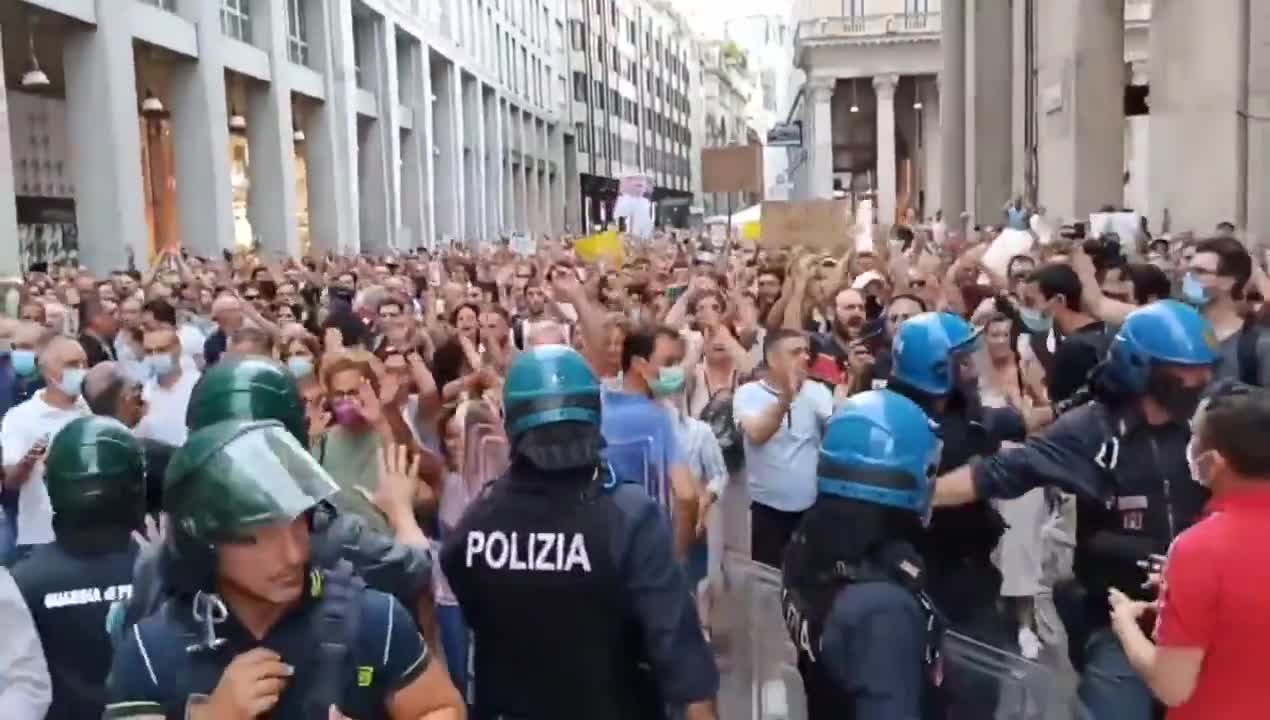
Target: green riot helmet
{"x": 551, "y": 401}
{"x": 238, "y": 475}
{"x": 247, "y": 389}
{"x": 95, "y": 475}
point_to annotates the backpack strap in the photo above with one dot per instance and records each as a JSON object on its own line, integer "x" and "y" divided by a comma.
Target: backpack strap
{"x": 335, "y": 625}
{"x": 1246, "y": 353}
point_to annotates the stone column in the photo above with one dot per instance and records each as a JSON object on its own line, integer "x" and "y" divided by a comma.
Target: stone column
{"x": 448, "y": 178}
{"x": 1200, "y": 85}
{"x": 425, "y": 128}
{"x": 1081, "y": 88}
{"x": 331, "y": 133}
{"x": 473, "y": 131}
{"x": 415, "y": 150}
{"x": 271, "y": 197}
{"x": 988, "y": 124}
{"x": 932, "y": 152}
{"x": 522, "y": 176}
{"x": 1137, "y": 150}
{"x": 455, "y": 150}
{"x": 819, "y": 96}
{"x": 102, "y": 112}
{"x": 952, "y": 111}
{"x": 493, "y": 163}
{"x": 200, "y": 134}
{"x": 884, "y": 86}
{"x": 10, "y": 257}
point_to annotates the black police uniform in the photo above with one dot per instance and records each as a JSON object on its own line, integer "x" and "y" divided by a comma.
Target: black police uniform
{"x": 1133, "y": 488}
{"x": 402, "y": 571}
{"x": 164, "y": 662}
{"x": 70, "y": 586}
{"x": 875, "y": 655}
{"x": 578, "y": 608}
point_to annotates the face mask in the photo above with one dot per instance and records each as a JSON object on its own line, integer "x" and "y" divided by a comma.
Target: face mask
{"x": 1193, "y": 292}
{"x": 159, "y": 365}
{"x": 23, "y": 362}
{"x": 1193, "y": 463}
{"x": 72, "y": 381}
{"x": 1178, "y": 400}
{"x": 1035, "y": 321}
{"x": 670, "y": 380}
{"x": 300, "y": 366}
{"x": 349, "y": 415}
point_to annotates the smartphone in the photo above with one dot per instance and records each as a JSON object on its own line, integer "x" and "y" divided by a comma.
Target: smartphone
{"x": 674, "y": 291}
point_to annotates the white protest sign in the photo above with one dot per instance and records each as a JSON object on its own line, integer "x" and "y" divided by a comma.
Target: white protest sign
{"x": 523, "y": 244}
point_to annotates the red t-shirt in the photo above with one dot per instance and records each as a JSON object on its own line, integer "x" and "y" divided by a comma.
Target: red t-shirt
{"x": 1216, "y": 596}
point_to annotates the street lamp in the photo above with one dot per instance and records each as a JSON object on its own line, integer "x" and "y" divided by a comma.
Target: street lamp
{"x": 34, "y": 77}
{"x": 237, "y": 122}
{"x": 151, "y": 105}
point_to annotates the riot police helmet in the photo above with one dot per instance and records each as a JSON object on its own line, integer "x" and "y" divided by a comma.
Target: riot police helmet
{"x": 927, "y": 349}
{"x": 1165, "y": 332}
{"x": 229, "y": 479}
{"x": 247, "y": 389}
{"x": 551, "y": 402}
{"x": 880, "y": 448}
{"x": 95, "y": 475}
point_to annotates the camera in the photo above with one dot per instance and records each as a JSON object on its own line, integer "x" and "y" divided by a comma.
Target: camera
{"x": 1105, "y": 251}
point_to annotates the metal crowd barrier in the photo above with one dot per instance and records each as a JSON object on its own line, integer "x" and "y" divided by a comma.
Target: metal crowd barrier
{"x": 761, "y": 660}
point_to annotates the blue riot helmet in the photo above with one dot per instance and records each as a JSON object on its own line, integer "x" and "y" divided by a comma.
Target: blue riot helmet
{"x": 927, "y": 349}
{"x": 880, "y": 448}
{"x": 551, "y": 403}
{"x": 1151, "y": 339}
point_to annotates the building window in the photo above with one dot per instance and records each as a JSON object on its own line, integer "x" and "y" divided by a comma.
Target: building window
{"x": 579, "y": 87}
{"x": 599, "y": 95}
{"x": 916, "y": 7}
{"x": 577, "y": 35}
{"x": 235, "y": 19}
{"x": 581, "y": 133}
{"x": 297, "y": 33}
{"x": 853, "y": 8}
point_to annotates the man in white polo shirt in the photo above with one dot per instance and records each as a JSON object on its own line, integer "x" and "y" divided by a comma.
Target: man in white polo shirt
{"x": 28, "y": 428}
{"x": 782, "y": 418}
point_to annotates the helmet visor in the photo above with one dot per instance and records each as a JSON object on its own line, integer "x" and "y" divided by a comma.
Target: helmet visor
{"x": 262, "y": 477}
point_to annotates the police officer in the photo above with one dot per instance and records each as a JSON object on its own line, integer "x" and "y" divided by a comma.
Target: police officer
{"x": 567, "y": 577}
{"x": 1124, "y": 457}
{"x": 935, "y": 363}
{"x": 256, "y": 389}
{"x": 95, "y": 477}
{"x": 254, "y": 627}
{"x": 854, "y": 598}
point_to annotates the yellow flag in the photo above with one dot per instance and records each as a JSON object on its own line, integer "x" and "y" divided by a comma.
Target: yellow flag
{"x": 600, "y": 246}
{"x": 751, "y": 230}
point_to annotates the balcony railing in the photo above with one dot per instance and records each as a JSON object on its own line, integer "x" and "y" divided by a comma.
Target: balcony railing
{"x": 912, "y": 26}
{"x": 868, "y": 26}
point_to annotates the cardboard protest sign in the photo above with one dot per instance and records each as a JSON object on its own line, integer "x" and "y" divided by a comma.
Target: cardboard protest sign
{"x": 735, "y": 168}
{"x": 816, "y": 224}
{"x": 523, "y": 244}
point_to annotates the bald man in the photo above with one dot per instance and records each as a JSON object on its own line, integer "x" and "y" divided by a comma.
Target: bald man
{"x": 27, "y": 429}
{"x": 227, "y": 312}
{"x": 109, "y": 391}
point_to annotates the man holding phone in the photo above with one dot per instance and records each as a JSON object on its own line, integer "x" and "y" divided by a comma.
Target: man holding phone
{"x": 27, "y": 429}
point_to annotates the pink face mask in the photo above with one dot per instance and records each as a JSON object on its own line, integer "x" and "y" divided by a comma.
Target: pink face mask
{"x": 348, "y": 414}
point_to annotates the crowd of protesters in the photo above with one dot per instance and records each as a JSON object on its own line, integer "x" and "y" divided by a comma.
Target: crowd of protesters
{"x": 722, "y": 362}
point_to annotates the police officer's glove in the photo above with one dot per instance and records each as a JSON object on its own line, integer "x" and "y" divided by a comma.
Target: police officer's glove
{"x": 249, "y": 687}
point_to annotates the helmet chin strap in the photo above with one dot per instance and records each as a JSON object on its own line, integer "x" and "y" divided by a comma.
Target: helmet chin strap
{"x": 209, "y": 610}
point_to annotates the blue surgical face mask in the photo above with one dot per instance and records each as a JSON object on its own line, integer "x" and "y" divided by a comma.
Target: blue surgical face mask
{"x": 1035, "y": 321}
{"x": 23, "y": 362}
{"x": 670, "y": 380}
{"x": 160, "y": 364}
{"x": 72, "y": 381}
{"x": 1193, "y": 291}
{"x": 300, "y": 366}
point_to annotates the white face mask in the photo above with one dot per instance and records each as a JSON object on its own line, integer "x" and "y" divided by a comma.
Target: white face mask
{"x": 1192, "y": 464}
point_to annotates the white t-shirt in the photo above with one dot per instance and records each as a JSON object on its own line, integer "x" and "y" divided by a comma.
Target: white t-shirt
{"x": 23, "y": 426}
{"x": 165, "y": 409}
